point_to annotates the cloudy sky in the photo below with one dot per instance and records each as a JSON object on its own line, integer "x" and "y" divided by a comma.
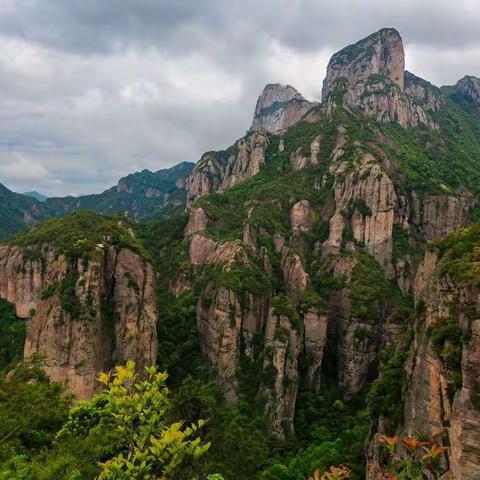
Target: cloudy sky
{"x": 91, "y": 90}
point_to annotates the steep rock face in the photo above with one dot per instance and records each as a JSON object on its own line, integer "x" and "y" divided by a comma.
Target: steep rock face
{"x": 197, "y": 221}
{"x": 369, "y": 77}
{"x": 442, "y": 396}
{"x": 470, "y": 86}
{"x": 279, "y": 107}
{"x": 298, "y": 160}
{"x": 365, "y": 200}
{"x": 282, "y": 348}
{"x": 219, "y": 327}
{"x": 424, "y": 92}
{"x": 354, "y": 353}
{"x": 440, "y": 214}
{"x": 301, "y": 216}
{"x": 379, "y": 54}
{"x": 226, "y": 323}
{"x": 217, "y": 171}
{"x": 85, "y": 315}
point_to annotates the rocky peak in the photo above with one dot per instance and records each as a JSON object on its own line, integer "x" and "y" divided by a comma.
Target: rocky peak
{"x": 379, "y": 54}
{"x": 279, "y": 107}
{"x": 123, "y": 186}
{"x": 368, "y": 78}
{"x": 470, "y": 86}
{"x": 428, "y": 95}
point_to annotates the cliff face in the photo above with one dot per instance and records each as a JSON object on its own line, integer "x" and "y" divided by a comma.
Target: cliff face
{"x": 217, "y": 171}
{"x": 443, "y": 389}
{"x": 279, "y": 107}
{"x": 84, "y": 315}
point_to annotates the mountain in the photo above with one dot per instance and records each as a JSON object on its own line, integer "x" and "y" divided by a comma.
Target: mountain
{"x": 141, "y": 195}
{"x": 319, "y": 295}
{"x": 279, "y": 107}
{"x": 17, "y": 211}
{"x": 36, "y": 195}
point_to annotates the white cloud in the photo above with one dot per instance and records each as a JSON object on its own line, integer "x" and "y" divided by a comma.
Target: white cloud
{"x": 16, "y": 168}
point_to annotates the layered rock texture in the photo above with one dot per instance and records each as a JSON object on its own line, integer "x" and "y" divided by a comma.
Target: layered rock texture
{"x": 279, "y": 107}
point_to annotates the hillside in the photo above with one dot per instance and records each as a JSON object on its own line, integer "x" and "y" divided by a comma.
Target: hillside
{"x": 141, "y": 195}
{"x": 319, "y": 293}
{"x": 18, "y": 211}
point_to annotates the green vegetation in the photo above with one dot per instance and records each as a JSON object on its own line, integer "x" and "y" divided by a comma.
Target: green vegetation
{"x": 13, "y": 210}
{"x": 80, "y": 234}
{"x": 459, "y": 254}
{"x": 142, "y": 196}
{"x": 123, "y": 432}
{"x": 270, "y": 194}
{"x": 447, "y": 340}
{"x": 438, "y": 162}
{"x": 12, "y": 336}
{"x": 329, "y": 432}
{"x": 32, "y": 410}
{"x": 385, "y": 396}
{"x": 131, "y": 429}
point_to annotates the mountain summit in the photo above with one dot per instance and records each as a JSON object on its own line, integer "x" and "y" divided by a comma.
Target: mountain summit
{"x": 378, "y": 54}
{"x": 279, "y": 107}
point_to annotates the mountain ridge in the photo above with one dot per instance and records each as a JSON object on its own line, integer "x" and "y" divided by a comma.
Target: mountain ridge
{"x": 325, "y": 274}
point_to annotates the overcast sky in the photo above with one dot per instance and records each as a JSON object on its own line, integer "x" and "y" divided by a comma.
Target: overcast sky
{"x": 91, "y": 90}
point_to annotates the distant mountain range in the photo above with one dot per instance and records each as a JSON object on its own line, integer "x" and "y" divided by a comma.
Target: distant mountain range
{"x": 141, "y": 195}
{"x": 36, "y": 195}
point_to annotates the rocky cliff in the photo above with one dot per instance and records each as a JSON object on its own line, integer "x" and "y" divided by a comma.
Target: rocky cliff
{"x": 217, "y": 171}
{"x": 325, "y": 246}
{"x": 470, "y": 86}
{"x": 442, "y": 391}
{"x": 369, "y": 77}
{"x": 279, "y": 107}
{"x": 85, "y": 312}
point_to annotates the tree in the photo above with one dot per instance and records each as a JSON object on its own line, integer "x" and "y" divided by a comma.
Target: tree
{"x": 136, "y": 410}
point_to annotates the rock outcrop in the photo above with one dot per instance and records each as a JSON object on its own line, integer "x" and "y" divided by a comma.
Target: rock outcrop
{"x": 366, "y": 204}
{"x": 443, "y": 390}
{"x": 279, "y": 107}
{"x": 379, "y": 54}
{"x": 368, "y": 77}
{"x": 197, "y": 222}
{"x": 470, "y": 86}
{"x": 429, "y": 96}
{"x": 217, "y": 171}
{"x": 84, "y": 315}
{"x": 299, "y": 160}
{"x": 301, "y": 216}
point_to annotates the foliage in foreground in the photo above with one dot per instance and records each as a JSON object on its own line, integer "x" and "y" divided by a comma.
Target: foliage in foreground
{"x": 121, "y": 433}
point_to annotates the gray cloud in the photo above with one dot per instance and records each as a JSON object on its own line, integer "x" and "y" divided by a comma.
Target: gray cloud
{"x": 93, "y": 90}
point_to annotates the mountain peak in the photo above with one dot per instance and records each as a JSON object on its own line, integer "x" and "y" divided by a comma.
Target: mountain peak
{"x": 381, "y": 53}
{"x": 36, "y": 195}
{"x": 279, "y": 107}
{"x": 470, "y": 86}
